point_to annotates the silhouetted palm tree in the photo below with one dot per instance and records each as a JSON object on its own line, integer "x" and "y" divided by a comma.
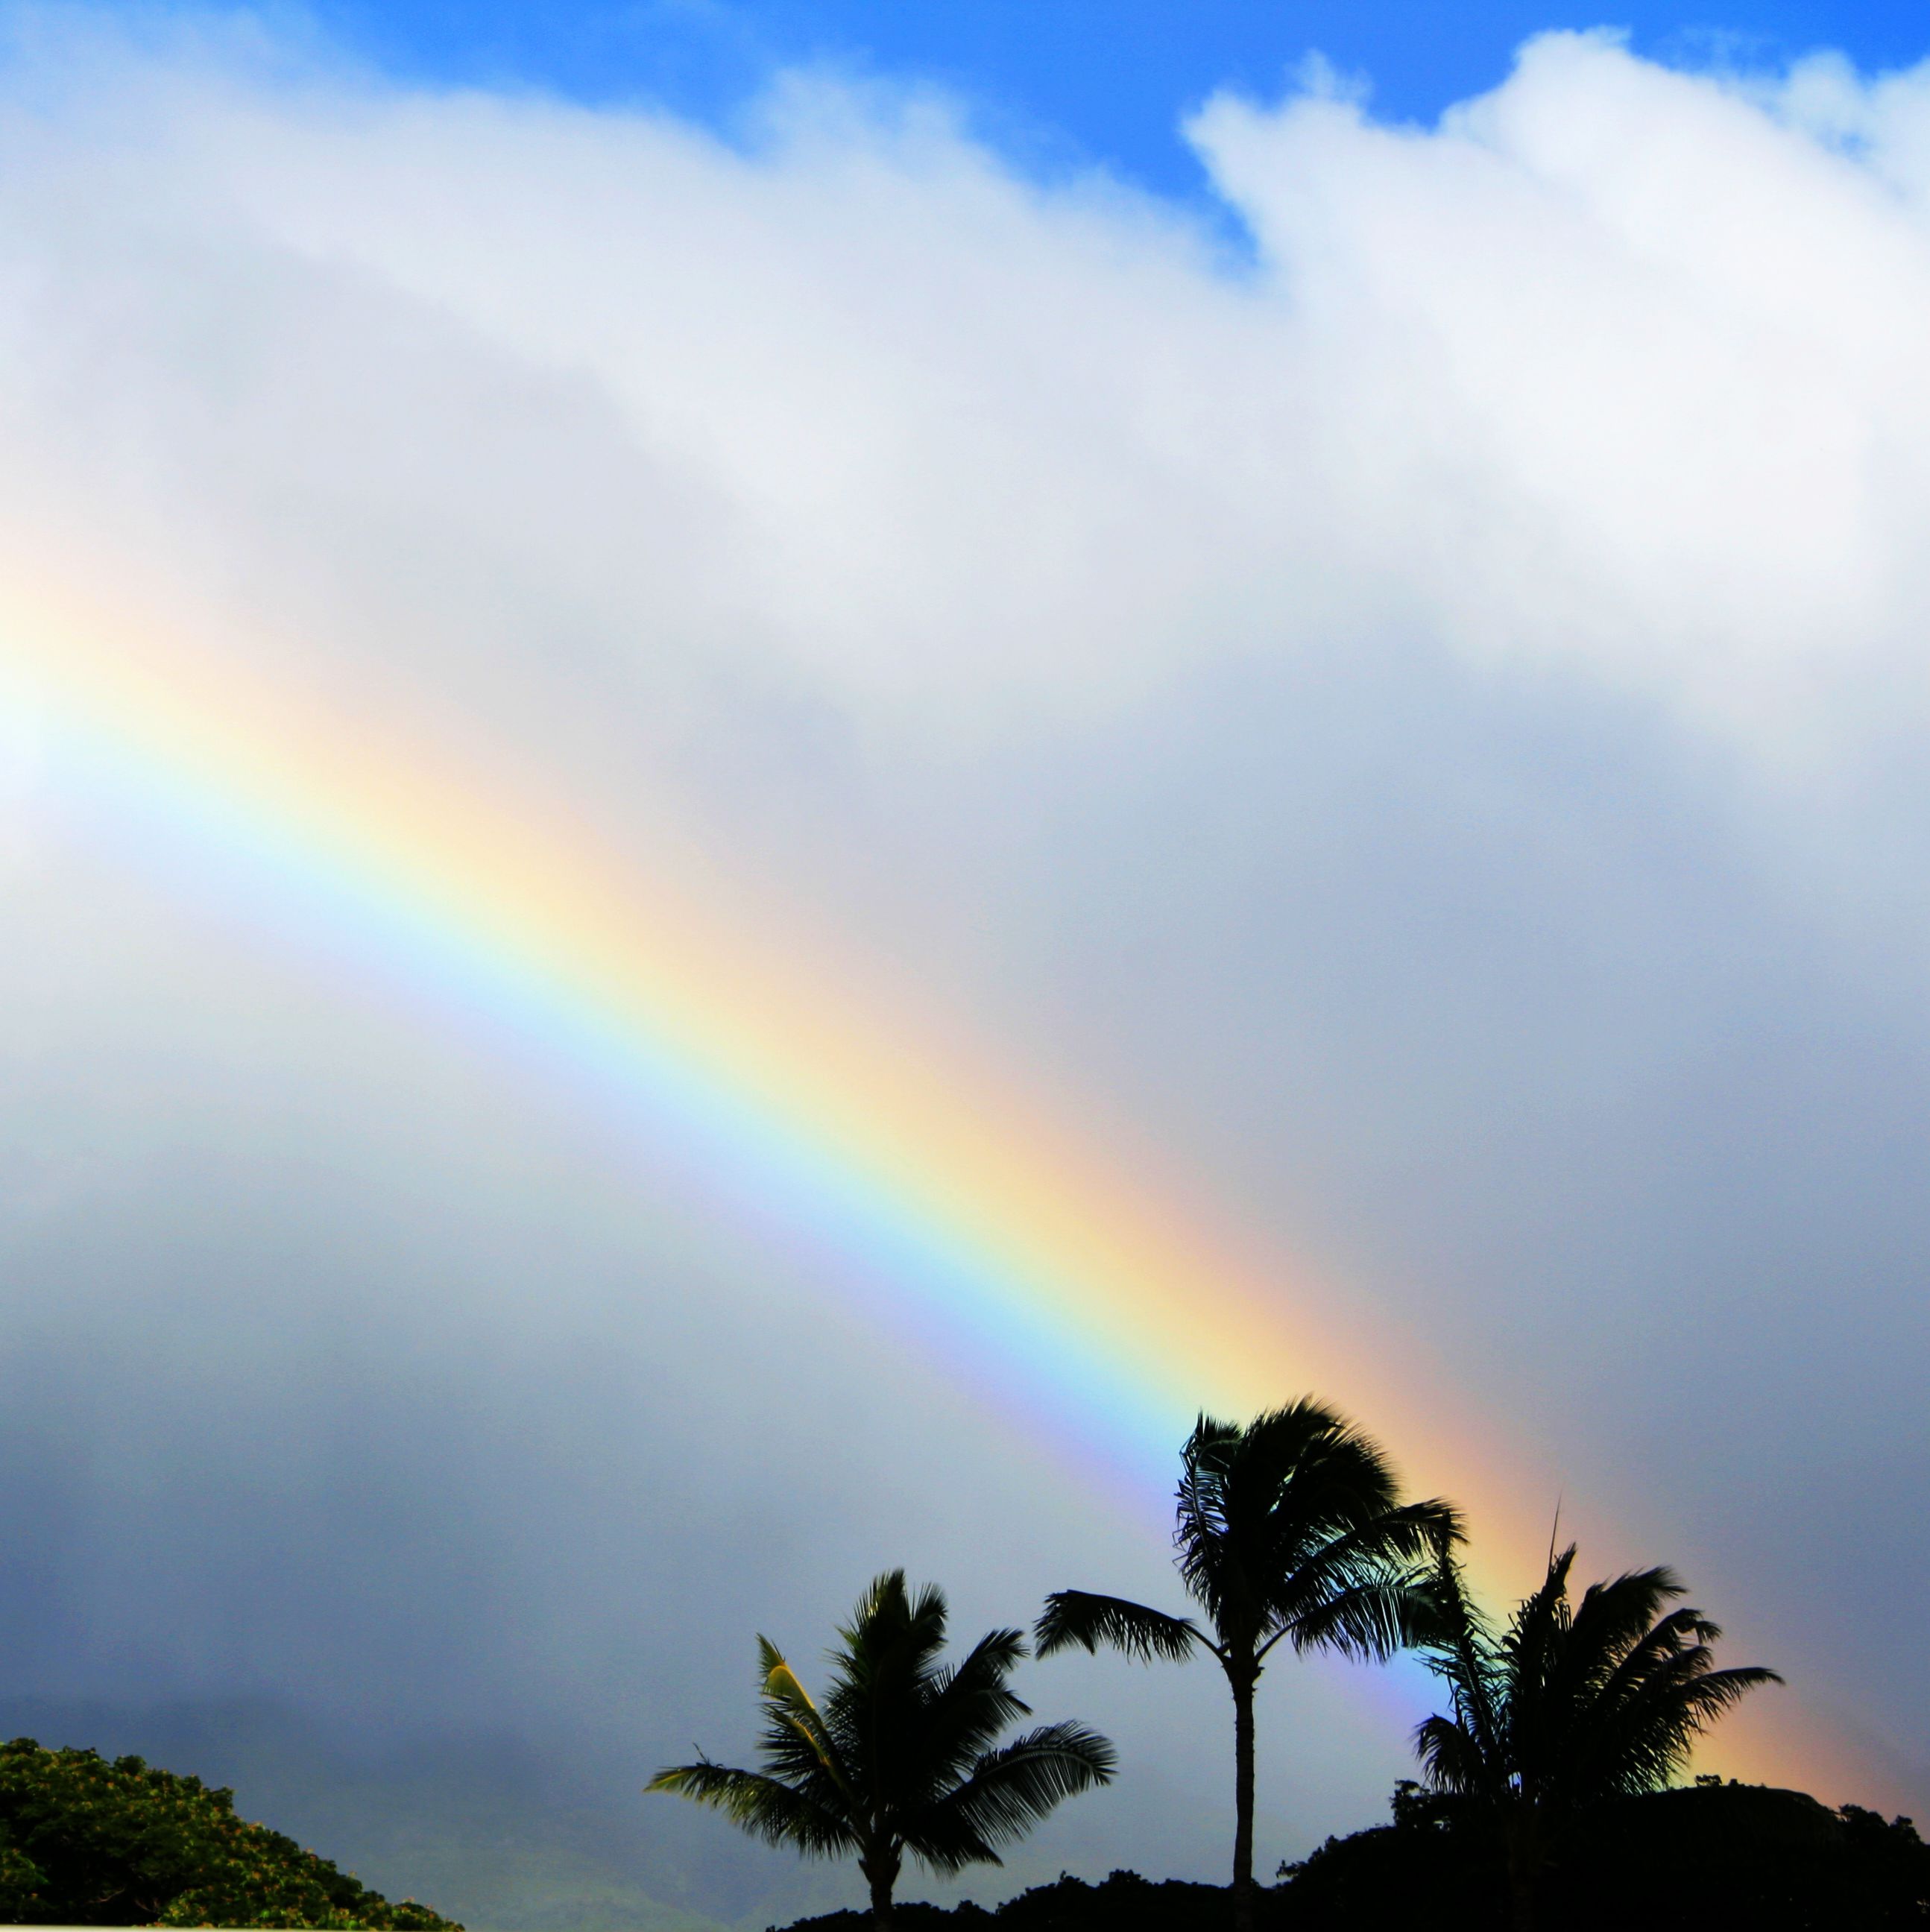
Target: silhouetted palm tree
{"x": 900, "y": 1755}
{"x": 1569, "y": 1706}
{"x": 1289, "y": 1529}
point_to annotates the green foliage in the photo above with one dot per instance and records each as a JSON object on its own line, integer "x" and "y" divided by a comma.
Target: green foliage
{"x": 902, "y": 1755}
{"x": 89, "y": 1841}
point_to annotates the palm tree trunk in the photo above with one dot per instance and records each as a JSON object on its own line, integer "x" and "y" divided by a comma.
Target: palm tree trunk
{"x": 1243, "y": 1804}
{"x": 1524, "y": 1867}
{"x": 1521, "y": 1901}
{"x": 881, "y": 1870}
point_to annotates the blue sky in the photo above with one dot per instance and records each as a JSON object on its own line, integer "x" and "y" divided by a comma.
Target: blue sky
{"x": 1074, "y": 80}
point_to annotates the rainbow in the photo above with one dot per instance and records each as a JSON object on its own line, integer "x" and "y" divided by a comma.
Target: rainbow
{"x": 948, "y": 1204}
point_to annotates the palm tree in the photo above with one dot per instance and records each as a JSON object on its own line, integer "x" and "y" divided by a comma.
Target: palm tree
{"x": 900, "y": 1755}
{"x": 1570, "y": 1706}
{"x": 1289, "y": 1529}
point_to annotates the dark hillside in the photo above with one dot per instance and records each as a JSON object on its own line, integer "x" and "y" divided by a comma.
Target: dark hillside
{"x": 1702, "y": 1858}
{"x": 1125, "y": 1902}
{"x": 1708, "y": 1857}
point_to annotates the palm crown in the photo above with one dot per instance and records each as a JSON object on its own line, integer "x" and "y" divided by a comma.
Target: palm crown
{"x": 1571, "y": 1705}
{"x": 901, "y": 1755}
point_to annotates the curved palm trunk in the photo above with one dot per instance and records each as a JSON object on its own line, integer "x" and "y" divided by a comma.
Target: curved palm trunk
{"x": 1243, "y": 1803}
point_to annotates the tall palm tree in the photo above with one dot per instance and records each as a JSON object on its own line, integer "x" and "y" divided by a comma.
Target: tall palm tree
{"x": 1571, "y": 1705}
{"x": 1290, "y": 1530}
{"x": 900, "y": 1757}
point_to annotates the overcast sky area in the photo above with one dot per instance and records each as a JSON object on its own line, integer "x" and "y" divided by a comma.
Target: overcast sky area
{"x": 1369, "y": 644}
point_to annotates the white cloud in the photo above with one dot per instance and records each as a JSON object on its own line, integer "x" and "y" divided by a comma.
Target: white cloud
{"x": 1618, "y": 366}
{"x": 1641, "y": 366}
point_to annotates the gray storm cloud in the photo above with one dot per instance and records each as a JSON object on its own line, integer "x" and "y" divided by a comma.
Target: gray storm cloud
{"x": 1416, "y": 719}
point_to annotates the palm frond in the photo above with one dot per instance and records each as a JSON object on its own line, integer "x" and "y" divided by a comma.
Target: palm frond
{"x": 1079, "y": 1617}
{"x": 1411, "y": 1534}
{"x": 797, "y": 1746}
{"x": 970, "y": 1706}
{"x": 768, "y": 1809}
{"x": 1369, "y": 1620}
{"x": 1644, "y": 1738}
{"x": 1621, "y": 1619}
{"x": 1454, "y": 1761}
{"x": 1456, "y": 1639}
{"x": 1009, "y": 1791}
{"x": 1572, "y": 1704}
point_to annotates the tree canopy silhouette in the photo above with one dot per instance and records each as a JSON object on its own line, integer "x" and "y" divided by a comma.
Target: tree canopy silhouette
{"x": 1571, "y": 1706}
{"x": 901, "y": 1755}
{"x": 90, "y": 1840}
{"x": 1291, "y": 1530}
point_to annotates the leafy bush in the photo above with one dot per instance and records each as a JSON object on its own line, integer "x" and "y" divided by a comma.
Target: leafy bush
{"x": 89, "y": 1841}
